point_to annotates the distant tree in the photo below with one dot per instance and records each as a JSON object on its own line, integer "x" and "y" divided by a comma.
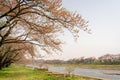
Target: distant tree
{"x": 109, "y": 59}
{"x": 31, "y": 23}
{"x": 90, "y": 60}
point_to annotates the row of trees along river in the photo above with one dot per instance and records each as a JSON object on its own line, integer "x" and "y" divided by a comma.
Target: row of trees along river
{"x": 108, "y": 59}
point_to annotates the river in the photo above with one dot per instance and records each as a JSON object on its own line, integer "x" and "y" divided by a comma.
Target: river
{"x": 89, "y": 72}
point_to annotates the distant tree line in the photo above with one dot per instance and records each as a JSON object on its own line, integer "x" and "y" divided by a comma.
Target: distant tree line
{"x": 108, "y": 59}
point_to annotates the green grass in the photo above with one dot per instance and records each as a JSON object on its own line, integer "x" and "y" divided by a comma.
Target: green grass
{"x": 23, "y": 73}
{"x": 19, "y": 73}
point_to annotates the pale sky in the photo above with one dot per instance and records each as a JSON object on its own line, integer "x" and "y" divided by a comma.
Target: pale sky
{"x": 104, "y": 20}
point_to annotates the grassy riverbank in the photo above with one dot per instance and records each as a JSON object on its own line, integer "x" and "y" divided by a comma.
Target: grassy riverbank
{"x": 22, "y": 73}
{"x": 92, "y": 66}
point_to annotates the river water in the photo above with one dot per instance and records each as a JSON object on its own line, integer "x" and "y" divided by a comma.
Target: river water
{"x": 89, "y": 72}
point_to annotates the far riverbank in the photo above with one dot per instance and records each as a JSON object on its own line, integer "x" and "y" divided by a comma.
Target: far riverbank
{"x": 91, "y": 66}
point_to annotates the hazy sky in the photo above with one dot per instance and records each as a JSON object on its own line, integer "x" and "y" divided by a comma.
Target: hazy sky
{"x": 104, "y": 20}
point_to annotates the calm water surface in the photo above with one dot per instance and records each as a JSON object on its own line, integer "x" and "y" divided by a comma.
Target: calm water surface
{"x": 89, "y": 72}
